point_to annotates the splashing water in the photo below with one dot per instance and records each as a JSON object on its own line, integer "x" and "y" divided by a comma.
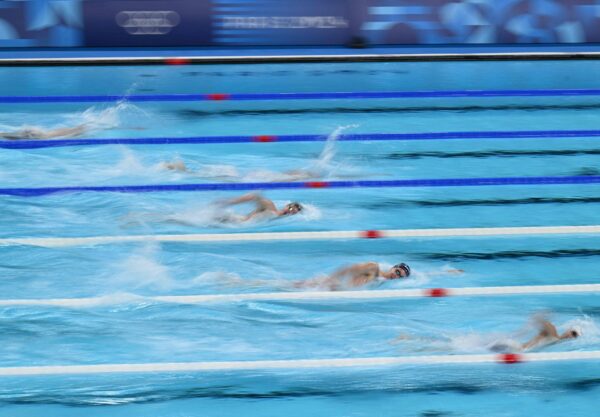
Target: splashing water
{"x": 218, "y": 171}
{"x": 309, "y": 212}
{"x": 143, "y": 270}
{"x": 319, "y": 168}
{"x": 109, "y": 118}
{"x": 228, "y": 281}
{"x": 587, "y": 328}
{"x": 129, "y": 164}
{"x": 206, "y": 215}
{"x": 322, "y": 164}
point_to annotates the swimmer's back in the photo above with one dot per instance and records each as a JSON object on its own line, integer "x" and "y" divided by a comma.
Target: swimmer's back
{"x": 365, "y": 274}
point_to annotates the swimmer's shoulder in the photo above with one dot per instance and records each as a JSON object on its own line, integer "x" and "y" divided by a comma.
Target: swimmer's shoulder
{"x": 369, "y": 264}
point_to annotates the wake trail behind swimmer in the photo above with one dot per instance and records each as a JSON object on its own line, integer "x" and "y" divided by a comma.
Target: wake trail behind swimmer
{"x": 317, "y": 169}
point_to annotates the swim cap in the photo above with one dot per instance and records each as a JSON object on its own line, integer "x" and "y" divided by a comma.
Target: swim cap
{"x": 403, "y": 267}
{"x": 293, "y": 206}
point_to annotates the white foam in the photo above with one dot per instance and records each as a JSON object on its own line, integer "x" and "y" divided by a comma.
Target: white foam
{"x": 320, "y": 168}
{"x": 128, "y": 164}
{"x": 217, "y": 171}
{"x": 587, "y": 328}
{"x": 328, "y": 153}
{"x": 108, "y": 118}
{"x": 222, "y": 279}
{"x": 142, "y": 270}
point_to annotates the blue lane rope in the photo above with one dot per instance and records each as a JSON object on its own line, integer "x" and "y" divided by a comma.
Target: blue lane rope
{"x": 443, "y": 182}
{"x": 32, "y": 144}
{"x": 299, "y": 96}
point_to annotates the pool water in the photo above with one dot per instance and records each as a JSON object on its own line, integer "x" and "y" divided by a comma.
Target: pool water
{"x": 128, "y": 327}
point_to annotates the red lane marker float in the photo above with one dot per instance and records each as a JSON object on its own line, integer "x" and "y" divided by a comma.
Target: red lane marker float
{"x": 316, "y": 184}
{"x": 264, "y": 138}
{"x": 510, "y": 358}
{"x": 217, "y": 97}
{"x": 177, "y": 61}
{"x": 371, "y": 234}
{"x": 436, "y": 292}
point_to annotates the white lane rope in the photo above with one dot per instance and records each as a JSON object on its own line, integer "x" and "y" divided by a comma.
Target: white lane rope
{"x": 308, "y": 57}
{"x": 307, "y": 295}
{"x": 324, "y": 235}
{"x": 298, "y": 364}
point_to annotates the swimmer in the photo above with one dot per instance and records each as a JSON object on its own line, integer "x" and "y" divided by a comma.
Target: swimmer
{"x": 175, "y": 165}
{"x": 356, "y": 275}
{"x": 215, "y": 213}
{"x": 547, "y": 335}
{"x": 233, "y": 175}
{"x": 264, "y": 207}
{"x": 37, "y": 133}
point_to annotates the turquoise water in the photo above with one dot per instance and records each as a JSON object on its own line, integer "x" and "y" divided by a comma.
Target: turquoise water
{"x": 128, "y": 328}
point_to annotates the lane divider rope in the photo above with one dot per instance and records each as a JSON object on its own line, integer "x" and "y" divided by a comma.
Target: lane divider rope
{"x": 305, "y": 295}
{"x": 507, "y": 358}
{"x": 54, "y": 242}
{"x": 249, "y": 186}
{"x": 300, "y": 96}
{"x": 200, "y": 140}
{"x": 318, "y": 58}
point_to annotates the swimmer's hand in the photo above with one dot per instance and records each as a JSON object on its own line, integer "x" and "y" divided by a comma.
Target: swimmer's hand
{"x": 450, "y": 271}
{"x": 401, "y": 337}
{"x": 454, "y": 271}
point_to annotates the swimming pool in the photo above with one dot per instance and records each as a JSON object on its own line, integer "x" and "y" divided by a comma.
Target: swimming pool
{"x": 359, "y": 183}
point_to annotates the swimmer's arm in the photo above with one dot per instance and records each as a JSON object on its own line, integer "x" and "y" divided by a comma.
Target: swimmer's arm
{"x": 243, "y": 199}
{"x": 451, "y": 271}
{"x": 357, "y": 269}
{"x": 65, "y": 132}
{"x": 365, "y": 274}
{"x": 300, "y": 174}
{"x": 548, "y": 329}
{"x": 261, "y": 202}
{"x": 251, "y": 215}
{"x": 547, "y": 333}
{"x": 533, "y": 342}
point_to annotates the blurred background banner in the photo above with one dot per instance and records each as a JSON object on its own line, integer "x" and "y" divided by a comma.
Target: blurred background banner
{"x": 82, "y": 23}
{"x": 147, "y": 23}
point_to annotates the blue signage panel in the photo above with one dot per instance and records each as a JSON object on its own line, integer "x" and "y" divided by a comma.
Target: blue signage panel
{"x": 40, "y": 23}
{"x": 147, "y": 23}
{"x": 268, "y": 22}
{"x": 295, "y": 22}
{"x": 479, "y": 21}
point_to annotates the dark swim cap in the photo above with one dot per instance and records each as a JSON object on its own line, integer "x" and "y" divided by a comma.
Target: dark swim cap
{"x": 403, "y": 267}
{"x": 295, "y": 206}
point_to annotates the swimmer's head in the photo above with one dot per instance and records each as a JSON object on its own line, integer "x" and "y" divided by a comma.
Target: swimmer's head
{"x": 176, "y": 165}
{"x": 570, "y": 334}
{"x": 400, "y": 270}
{"x": 292, "y": 208}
